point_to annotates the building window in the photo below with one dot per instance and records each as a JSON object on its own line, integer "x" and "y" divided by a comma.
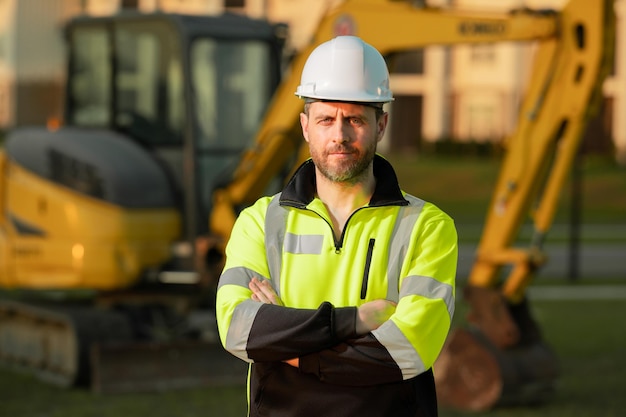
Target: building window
{"x": 408, "y": 62}
{"x": 130, "y": 4}
{"x": 235, "y": 4}
{"x": 481, "y": 127}
{"x": 483, "y": 53}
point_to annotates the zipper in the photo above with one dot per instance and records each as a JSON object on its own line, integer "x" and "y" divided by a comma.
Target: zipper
{"x": 338, "y": 242}
{"x": 366, "y": 270}
{"x": 332, "y": 231}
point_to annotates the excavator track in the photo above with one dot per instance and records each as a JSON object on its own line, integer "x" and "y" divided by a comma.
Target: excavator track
{"x": 53, "y": 342}
{"x": 81, "y": 345}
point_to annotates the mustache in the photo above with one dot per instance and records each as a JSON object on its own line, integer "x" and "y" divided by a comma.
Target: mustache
{"x": 342, "y": 149}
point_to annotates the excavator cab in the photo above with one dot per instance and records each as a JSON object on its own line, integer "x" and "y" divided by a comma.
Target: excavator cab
{"x": 190, "y": 90}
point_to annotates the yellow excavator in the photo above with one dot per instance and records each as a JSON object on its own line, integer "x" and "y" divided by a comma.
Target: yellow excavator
{"x": 103, "y": 219}
{"x": 112, "y": 227}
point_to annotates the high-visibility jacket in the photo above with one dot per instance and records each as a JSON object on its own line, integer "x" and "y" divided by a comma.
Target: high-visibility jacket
{"x": 397, "y": 247}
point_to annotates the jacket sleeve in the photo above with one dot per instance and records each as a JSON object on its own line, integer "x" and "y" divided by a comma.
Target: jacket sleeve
{"x": 256, "y": 332}
{"x": 409, "y": 342}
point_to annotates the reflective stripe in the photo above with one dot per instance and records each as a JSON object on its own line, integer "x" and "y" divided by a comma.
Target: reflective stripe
{"x": 303, "y": 244}
{"x": 243, "y": 315}
{"x": 238, "y": 276}
{"x": 239, "y": 329}
{"x": 276, "y": 221}
{"x": 400, "y": 241}
{"x": 400, "y": 349}
{"x": 430, "y": 288}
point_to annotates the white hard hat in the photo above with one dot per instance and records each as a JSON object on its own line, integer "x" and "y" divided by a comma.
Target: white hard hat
{"x": 345, "y": 69}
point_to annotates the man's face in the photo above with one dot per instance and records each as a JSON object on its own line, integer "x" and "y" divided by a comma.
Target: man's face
{"x": 342, "y": 138}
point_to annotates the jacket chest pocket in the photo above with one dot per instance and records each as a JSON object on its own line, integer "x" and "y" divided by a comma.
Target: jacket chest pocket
{"x": 366, "y": 268}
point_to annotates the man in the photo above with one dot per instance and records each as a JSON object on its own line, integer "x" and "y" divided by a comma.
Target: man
{"x": 340, "y": 289}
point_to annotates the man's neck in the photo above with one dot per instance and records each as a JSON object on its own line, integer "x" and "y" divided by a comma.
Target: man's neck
{"x": 342, "y": 199}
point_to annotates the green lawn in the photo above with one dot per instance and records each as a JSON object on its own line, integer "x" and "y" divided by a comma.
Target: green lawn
{"x": 463, "y": 186}
{"x": 588, "y": 337}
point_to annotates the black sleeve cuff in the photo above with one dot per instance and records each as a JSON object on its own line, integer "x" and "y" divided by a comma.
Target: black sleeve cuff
{"x": 344, "y": 323}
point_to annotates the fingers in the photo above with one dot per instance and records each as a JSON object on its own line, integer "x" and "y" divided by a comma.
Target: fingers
{"x": 263, "y": 292}
{"x": 261, "y": 289}
{"x": 373, "y": 314}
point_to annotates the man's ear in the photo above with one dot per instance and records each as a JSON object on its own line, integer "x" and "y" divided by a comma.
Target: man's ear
{"x": 304, "y": 122}
{"x": 382, "y": 125}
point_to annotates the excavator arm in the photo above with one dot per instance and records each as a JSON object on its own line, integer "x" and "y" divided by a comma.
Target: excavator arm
{"x": 569, "y": 71}
{"x": 502, "y": 358}
{"x": 564, "y": 92}
{"x": 404, "y": 27}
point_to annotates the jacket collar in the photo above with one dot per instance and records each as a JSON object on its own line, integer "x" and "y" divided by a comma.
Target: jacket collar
{"x": 300, "y": 190}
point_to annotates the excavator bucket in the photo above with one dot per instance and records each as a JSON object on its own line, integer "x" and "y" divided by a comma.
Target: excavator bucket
{"x": 473, "y": 375}
{"x": 477, "y": 372}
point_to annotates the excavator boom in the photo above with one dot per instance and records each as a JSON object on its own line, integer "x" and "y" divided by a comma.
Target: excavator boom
{"x": 405, "y": 27}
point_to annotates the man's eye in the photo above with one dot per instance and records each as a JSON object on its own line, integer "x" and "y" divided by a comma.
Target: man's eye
{"x": 356, "y": 121}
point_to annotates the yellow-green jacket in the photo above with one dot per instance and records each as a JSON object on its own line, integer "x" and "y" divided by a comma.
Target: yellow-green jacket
{"x": 398, "y": 247}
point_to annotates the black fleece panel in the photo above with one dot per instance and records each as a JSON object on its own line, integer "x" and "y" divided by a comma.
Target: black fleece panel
{"x": 358, "y": 362}
{"x": 279, "y": 390}
{"x": 280, "y": 333}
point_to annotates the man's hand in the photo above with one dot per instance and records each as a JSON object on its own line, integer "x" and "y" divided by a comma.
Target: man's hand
{"x": 372, "y": 314}
{"x": 263, "y": 292}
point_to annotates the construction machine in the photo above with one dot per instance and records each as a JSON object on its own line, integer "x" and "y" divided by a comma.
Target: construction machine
{"x": 104, "y": 247}
{"x": 113, "y": 227}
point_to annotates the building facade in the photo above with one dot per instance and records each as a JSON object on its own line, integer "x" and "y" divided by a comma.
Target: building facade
{"x": 32, "y": 60}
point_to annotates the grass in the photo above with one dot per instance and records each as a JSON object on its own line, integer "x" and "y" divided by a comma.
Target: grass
{"x": 587, "y": 336}
{"x": 23, "y": 396}
{"x": 460, "y": 186}
{"x": 463, "y": 186}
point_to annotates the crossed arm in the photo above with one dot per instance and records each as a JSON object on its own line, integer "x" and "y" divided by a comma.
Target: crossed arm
{"x": 376, "y": 342}
{"x": 369, "y": 315}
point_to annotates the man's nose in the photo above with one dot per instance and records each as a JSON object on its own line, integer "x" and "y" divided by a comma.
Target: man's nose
{"x": 341, "y": 132}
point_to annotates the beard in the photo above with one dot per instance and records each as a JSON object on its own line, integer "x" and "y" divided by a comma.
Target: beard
{"x": 352, "y": 171}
